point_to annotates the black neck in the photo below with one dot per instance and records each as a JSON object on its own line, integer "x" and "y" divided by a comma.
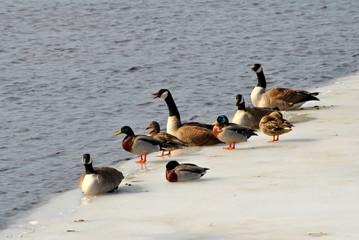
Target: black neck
{"x": 261, "y": 80}
{"x": 172, "y": 108}
{"x": 89, "y": 168}
{"x": 241, "y": 106}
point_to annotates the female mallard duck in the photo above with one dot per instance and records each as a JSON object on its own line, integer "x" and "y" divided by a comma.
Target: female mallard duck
{"x": 282, "y": 98}
{"x": 98, "y": 180}
{"x": 249, "y": 116}
{"x": 176, "y": 172}
{"x": 192, "y": 133}
{"x": 230, "y": 132}
{"x": 140, "y": 144}
{"x": 170, "y": 141}
{"x": 274, "y": 125}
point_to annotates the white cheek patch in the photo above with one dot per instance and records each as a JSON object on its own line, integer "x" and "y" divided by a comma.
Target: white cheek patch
{"x": 84, "y": 161}
{"x": 242, "y": 100}
{"x": 259, "y": 70}
{"x": 164, "y": 95}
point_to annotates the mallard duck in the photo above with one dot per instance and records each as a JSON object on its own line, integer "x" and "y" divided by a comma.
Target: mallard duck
{"x": 230, "y": 132}
{"x": 176, "y": 172}
{"x": 140, "y": 144}
{"x": 283, "y": 98}
{"x": 170, "y": 141}
{"x": 274, "y": 125}
{"x": 249, "y": 116}
{"x": 98, "y": 180}
{"x": 193, "y": 133}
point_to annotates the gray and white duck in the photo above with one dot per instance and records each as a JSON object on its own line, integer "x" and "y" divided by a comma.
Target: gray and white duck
{"x": 231, "y": 133}
{"x": 140, "y": 145}
{"x": 176, "y": 172}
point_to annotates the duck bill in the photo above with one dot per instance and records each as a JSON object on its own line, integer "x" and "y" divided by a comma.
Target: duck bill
{"x": 215, "y": 123}
{"x": 118, "y": 133}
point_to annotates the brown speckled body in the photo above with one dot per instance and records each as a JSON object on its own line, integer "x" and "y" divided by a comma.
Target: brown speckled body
{"x": 274, "y": 125}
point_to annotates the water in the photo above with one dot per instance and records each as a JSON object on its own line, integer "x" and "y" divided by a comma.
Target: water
{"x": 73, "y": 73}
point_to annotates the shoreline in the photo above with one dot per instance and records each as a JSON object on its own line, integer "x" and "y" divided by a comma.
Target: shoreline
{"x": 300, "y": 187}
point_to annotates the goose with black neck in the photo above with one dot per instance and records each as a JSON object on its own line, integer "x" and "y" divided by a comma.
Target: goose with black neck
{"x": 249, "y": 116}
{"x": 192, "y": 133}
{"x": 98, "y": 180}
{"x": 282, "y": 98}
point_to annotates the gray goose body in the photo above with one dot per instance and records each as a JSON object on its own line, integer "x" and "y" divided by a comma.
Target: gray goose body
{"x": 249, "y": 116}
{"x": 192, "y": 133}
{"x": 98, "y": 180}
{"x": 282, "y": 98}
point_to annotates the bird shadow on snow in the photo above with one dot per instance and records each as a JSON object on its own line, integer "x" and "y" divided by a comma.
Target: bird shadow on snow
{"x": 130, "y": 188}
{"x": 299, "y": 140}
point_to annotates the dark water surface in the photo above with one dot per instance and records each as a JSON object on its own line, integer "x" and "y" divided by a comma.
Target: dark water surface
{"x": 72, "y": 73}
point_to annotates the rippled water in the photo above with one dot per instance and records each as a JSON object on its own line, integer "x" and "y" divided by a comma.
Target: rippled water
{"x": 73, "y": 73}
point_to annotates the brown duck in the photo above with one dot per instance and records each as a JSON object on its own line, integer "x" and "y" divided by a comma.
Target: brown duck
{"x": 274, "y": 125}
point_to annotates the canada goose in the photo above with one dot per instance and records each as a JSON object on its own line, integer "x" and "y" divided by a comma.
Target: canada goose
{"x": 98, "y": 180}
{"x": 283, "y": 98}
{"x": 176, "y": 172}
{"x": 249, "y": 116}
{"x": 140, "y": 144}
{"x": 231, "y": 133}
{"x": 274, "y": 125}
{"x": 170, "y": 141}
{"x": 193, "y": 133}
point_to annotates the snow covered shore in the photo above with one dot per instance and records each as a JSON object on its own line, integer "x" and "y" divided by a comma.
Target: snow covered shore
{"x": 303, "y": 187}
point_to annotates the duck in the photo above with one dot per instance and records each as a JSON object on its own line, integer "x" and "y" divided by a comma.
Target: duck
{"x": 176, "y": 172}
{"x": 231, "y": 133}
{"x": 140, "y": 144}
{"x": 282, "y": 98}
{"x": 249, "y": 116}
{"x": 98, "y": 180}
{"x": 192, "y": 133}
{"x": 274, "y": 125}
{"x": 171, "y": 141}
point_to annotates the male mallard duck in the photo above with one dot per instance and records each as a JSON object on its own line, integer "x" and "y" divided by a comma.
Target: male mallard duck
{"x": 193, "y": 133}
{"x": 283, "y": 98}
{"x": 249, "y": 116}
{"x": 170, "y": 141}
{"x": 176, "y": 172}
{"x": 274, "y": 125}
{"x": 140, "y": 144}
{"x": 98, "y": 180}
{"x": 230, "y": 132}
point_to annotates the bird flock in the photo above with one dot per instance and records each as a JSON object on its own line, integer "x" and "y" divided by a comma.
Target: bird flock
{"x": 265, "y": 115}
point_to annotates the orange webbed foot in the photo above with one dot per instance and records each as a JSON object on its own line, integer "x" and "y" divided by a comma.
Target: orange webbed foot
{"x": 229, "y": 148}
{"x": 164, "y": 154}
{"x": 274, "y": 139}
{"x": 140, "y": 161}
